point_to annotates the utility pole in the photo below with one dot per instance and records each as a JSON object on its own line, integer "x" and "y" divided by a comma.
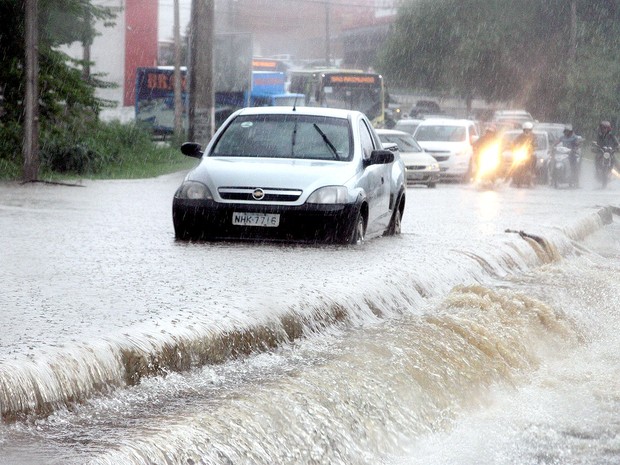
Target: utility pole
{"x": 573, "y": 32}
{"x": 178, "y": 102}
{"x": 30, "y": 148}
{"x": 87, "y": 41}
{"x": 327, "y": 35}
{"x": 201, "y": 93}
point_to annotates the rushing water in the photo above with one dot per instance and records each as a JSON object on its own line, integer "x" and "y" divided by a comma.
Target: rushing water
{"x": 496, "y": 351}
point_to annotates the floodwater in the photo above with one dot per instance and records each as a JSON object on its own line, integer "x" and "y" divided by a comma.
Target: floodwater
{"x": 484, "y": 334}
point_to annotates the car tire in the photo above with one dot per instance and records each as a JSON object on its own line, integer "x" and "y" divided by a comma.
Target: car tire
{"x": 394, "y": 228}
{"x": 431, "y": 185}
{"x": 357, "y": 238}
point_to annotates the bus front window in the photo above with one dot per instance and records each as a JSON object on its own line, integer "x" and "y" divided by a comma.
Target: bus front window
{"x": 364, "y": 99}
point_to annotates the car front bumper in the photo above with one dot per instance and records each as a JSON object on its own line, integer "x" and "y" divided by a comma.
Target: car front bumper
{"x": 200, "y": 219}
{"x": 422, "y": 177}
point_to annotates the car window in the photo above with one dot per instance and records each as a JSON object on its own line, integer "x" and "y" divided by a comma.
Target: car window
{"x": 406, "y": 125}
{"x": 366, "y": 139}
{"x": 508, "y": 138}
{"x": 405, "y": 143}
{"x": 440, "y": 133}
{"x": 541, "y": 141}
{"x": 286, "y": 136}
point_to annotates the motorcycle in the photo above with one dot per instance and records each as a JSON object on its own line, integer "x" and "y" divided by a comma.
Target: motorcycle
{"x": 520, "y": 171}
{"x": 488, "y": 164}
{"x": 560, "y": 169}
{"x": 604, "y": 163}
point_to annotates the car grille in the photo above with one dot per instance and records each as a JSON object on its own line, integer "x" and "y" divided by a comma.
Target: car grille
{"x": 439, "y": 156}
{"x": 270, "y": 194}
{"x": 416, "y": 167}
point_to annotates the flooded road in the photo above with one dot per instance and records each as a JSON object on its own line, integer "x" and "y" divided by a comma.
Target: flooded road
{"x": 484, "y": 334}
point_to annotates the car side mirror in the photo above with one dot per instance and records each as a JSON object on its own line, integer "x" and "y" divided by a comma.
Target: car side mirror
{"x": 379, "y": 157}
{"x": 191, "y": 149}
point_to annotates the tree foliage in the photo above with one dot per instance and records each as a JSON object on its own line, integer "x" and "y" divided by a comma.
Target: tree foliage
{"x": 64, "y": 95}
{"x": 511, "y": 50}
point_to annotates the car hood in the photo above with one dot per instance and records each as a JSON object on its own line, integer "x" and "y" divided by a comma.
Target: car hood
{"x": 417, "y": 158}
{"x": 436, "y": 146}
{"x": 275, "y": 173}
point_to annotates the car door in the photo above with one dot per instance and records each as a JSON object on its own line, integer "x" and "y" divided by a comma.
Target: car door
{"x": 378, "y": 182}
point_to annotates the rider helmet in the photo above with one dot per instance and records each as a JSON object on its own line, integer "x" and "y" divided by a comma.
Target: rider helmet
{"x": 490, "y": 128}
{"x": 568, "y": 129}
{"x": 527, "y": 126}
{"x": 605, "y": 126}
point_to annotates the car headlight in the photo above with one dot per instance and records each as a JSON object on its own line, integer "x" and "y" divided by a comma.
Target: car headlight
{"x": 194, "y": 190}
{"x": 329, "y": 195}
{"x": 433, "y": 167}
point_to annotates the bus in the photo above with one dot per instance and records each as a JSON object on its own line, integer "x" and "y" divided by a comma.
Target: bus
{"x": 337, "y": 88}
{"x": 154, "y": 103}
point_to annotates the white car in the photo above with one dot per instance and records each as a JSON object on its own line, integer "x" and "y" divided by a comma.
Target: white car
{"x": 450, "y": 142}
{"x": 421, "y": 167}
{"x": 291, "y": 174}
{"x": 408, "y": 125}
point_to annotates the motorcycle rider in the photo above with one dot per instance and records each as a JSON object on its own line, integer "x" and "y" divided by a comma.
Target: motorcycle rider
{"x": 488, "y": 137}
{"x": 528, "y": 140}
{"x": 605, "y": 138}
{"x": 571, "y": 141}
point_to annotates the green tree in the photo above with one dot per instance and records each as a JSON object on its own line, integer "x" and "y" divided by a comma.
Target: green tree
{"x": 64, "y": 96}
{"x": 511, "y": 50}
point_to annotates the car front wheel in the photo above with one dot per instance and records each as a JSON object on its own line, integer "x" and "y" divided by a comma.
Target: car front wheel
{"x": 357, "y": 238}
{"x": 394, "y": 227}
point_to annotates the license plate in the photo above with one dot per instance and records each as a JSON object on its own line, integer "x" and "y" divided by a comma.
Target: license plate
{"x": 270, "y": 220}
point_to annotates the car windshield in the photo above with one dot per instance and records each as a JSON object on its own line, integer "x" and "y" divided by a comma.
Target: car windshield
{"x": 510, "y": 137}
{"x": 405, "y": 143}
{"x": 406, "y": 125}
{"x": 286, "y": 136}
{"x": 440, "y": 133}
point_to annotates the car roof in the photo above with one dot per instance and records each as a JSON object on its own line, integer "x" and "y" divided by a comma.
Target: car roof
{"x": 445, "y": 122}
{"x": 519, "y": 131}
{"x": 301, "y": 110}
{"x": 408, "y": 121}
{"x": 392, "y": 132}
{"x": 512, "y": 113}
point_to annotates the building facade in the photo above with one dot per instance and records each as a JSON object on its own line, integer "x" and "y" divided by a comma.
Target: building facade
{"x": 304, "y": 31}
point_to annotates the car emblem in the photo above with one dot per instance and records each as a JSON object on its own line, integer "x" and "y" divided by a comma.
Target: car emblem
{"x": 258, "y": 194}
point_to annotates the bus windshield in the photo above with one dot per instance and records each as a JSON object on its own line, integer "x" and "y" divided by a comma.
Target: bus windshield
{"x": 348, "y": 89}
{"x": 366, "y": 100}
{"x": 354, "y": 91}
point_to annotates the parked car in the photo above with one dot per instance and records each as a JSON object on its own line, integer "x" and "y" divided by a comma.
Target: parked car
{"x": 542, "y": 152}
{"x": 421, "y": 168}
{"x": 449, "y": 141}
{"x": 515, "y": 118}
{"x": 305, "y": 174}
{"x": 407, "y": 125}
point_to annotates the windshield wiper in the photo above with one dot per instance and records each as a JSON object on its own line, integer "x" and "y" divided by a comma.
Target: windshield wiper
{"x": 327, "y": 141}
{"x": 293, "y": 141}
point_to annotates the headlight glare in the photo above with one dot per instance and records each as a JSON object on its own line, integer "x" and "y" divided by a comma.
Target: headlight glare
{"x": 329, "y": 195}
{"x": 194, "y": 190}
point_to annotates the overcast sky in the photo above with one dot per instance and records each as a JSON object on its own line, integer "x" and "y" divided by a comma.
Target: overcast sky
{"x": 166, "y": 18}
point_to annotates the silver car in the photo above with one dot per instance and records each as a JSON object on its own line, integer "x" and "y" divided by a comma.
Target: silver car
{"x": 292, "y": 174}
{"x": 421, "y": 168}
